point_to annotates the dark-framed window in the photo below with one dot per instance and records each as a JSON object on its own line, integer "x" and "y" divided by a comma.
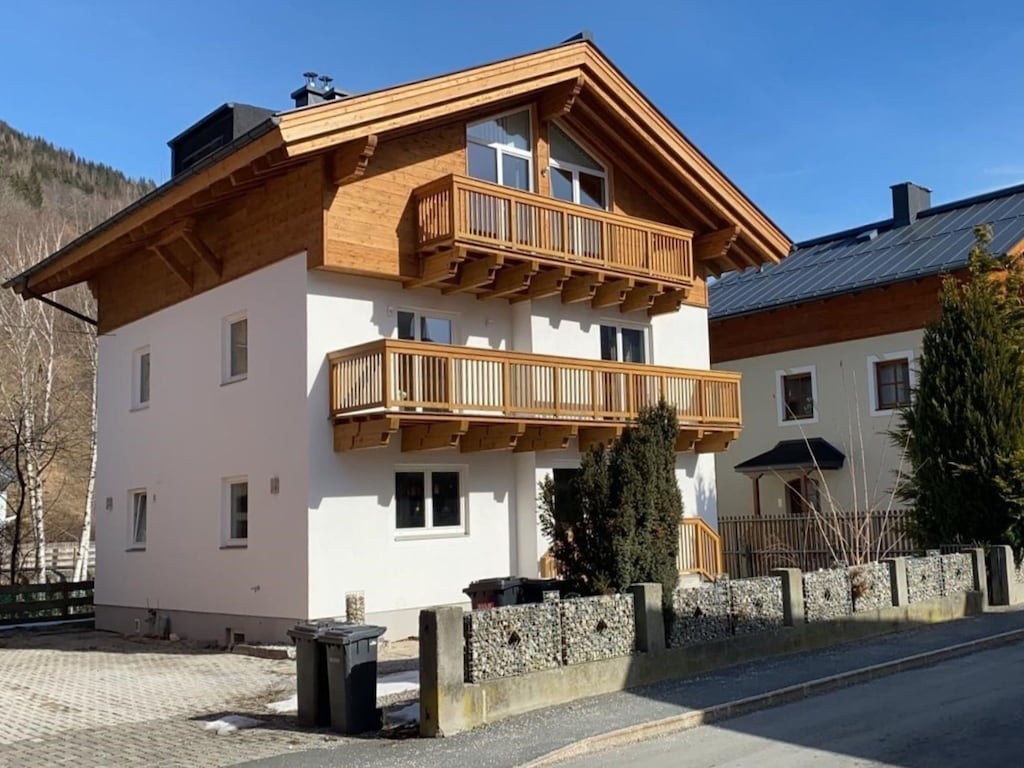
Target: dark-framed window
{"x": 798, "y": 396}
{"x": 892, "y": 383}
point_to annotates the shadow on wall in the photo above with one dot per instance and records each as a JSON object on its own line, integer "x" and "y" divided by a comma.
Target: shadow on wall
{"x": 527, "y": 657}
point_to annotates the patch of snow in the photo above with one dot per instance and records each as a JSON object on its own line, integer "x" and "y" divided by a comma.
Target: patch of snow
{"x": 399, "y": 682}
{"x": 231, "y": 723}
{"x": 286, "y": 707}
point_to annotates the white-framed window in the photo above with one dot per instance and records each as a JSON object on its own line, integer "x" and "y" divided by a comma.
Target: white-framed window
{"x": 235, "y": 347}
{"x": 430, "y": 500}
{"x": 625, "y": 343}
{"x": 141, "y": 369}
{"x": 500, "y": 149}
{"x": 797, "y": 395}
{"x": 891, "y": 380}
{"x": 576, "y": 175}
{"x": 236, "y": 511}
{"x": 138, "y": 509}
{"x": 424, "y": 325}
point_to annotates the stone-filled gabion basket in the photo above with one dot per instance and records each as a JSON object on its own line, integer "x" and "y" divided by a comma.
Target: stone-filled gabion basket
{"x": 515, "y": 640}
{"x": 924, "y": 578}
{"x": 827, "y": 595}
{"x": 870, "y": 587}
{"x": 597, "y": 628}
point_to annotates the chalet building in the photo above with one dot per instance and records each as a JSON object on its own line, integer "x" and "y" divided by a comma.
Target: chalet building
{"x": 343, "y": 344}
{"x": 827, "y": 342}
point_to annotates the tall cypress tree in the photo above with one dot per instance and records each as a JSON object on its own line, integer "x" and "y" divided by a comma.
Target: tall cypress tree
{"x": 624, "y": 524}
{"x": 964, "y": 430}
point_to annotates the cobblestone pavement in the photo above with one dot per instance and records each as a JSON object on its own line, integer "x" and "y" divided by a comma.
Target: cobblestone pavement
{"x": 93, "y": 699}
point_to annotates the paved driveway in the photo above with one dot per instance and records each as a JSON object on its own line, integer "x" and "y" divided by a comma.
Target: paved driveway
{"x": 93, "y": 699}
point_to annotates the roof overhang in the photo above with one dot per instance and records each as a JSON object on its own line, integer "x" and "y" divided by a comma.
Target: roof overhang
{"x": 804, "y": 455}
{"x": 574, "y": 81}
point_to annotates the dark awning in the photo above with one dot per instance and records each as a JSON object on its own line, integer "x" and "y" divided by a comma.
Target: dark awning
{"x": 812, "y": 453}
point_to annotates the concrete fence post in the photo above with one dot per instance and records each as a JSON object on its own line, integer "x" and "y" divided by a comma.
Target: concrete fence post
{"x": 980, "y": 573}
{"x": 792, "y": 595}
{"x": 648, "y": 618}
{"x": 1001, "y": 567}
{"x": 898, "y": 580}
{"x": 442, "y": 671}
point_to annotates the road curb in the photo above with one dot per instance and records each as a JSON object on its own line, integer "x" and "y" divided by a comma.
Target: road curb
{"x": 698, "y": 717}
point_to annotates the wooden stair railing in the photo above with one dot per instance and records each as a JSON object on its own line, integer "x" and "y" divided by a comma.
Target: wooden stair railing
{"x": 700, "y": 549}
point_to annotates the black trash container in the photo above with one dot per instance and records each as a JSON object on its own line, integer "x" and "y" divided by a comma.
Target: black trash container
{"x": 352, "y": 676}
{"x": 533, "y": 589}
{"x": 495, "y": 593}
{"x": 311, "y": 675}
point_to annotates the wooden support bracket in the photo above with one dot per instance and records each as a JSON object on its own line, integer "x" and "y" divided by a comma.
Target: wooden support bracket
{"x": 546, "y": 283}
{"x": 581, "y": 288}
{"x": 202, "y": 250}
{"x": 545, "y": 438}
{"x": 715, "y": 245}
{"x": 686, "y": 439}
{"x": 433, "y": 437}
{"x": 559, "y": 101}
{"x": 491, "y": 437}
{"x": 475, "y": 274}
{"x": 511, "y": 280}
{"x": 590, "y": 437}
{"x": 715, "y": 442}
{"x": 372, "y": 433}
{"x": 612, "y": 294}
{"x": 641, "y": 298}
{"x": 668, "y": 302}
{"x": 438, "y": 267}
{"x": 350, "y": 161}
{"x": 174, "y": 264}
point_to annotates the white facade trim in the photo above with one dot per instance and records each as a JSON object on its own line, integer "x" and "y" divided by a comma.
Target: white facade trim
{"x": 780, "y": 395}
{"x": 140, "y": 401}
{"x": 225, "y": 334}
{"x": 429, "y": 530}
{"x": 227, "y": 540}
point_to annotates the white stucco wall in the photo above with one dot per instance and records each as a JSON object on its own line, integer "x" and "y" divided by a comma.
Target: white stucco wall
{"x": 197, "y": 431}
{"x": 844, "y": 418}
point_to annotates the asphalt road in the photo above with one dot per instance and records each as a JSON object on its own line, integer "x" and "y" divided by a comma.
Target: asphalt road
{"x": 965, "y": 712}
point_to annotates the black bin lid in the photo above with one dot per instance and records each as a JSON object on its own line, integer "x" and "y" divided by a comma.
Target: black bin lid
{"x": 346, "y": 634}
{"x": 496, "y": 582}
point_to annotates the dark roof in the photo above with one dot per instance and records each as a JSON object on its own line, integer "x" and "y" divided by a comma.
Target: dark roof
{"x": 812, "y": 453}
{"x": 873, "y": 255}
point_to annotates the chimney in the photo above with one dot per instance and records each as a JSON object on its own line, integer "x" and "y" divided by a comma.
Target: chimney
{"x": 908, "y": 200}
{"x": 309, "y": 93}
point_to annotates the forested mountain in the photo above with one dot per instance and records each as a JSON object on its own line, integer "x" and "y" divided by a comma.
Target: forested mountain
{"x": 48, "y": 196}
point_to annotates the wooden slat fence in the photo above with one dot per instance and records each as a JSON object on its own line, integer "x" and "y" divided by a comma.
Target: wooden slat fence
{"x": 58, "y": 555}
{"x": 753, "y": 546}
{"x": 41, "y": 603}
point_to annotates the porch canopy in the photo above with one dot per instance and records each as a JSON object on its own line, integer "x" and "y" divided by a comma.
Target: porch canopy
{"x": 794, "y": 456}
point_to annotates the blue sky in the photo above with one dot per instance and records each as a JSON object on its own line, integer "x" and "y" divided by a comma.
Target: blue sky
{"x": 812, "y": 108}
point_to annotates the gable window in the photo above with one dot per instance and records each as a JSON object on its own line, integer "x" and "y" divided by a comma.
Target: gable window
{"x": 623, "y": 344}
{"x": 236, "y": 511}
{"x": 797, "y": 395}
{"x": 429, "y": 499}
{"x": 576, "y": 176}
{"x": 500, "y": 150}
{"x": 140, "y": 378}
{"x": 137, "y": 533}
{"x": 892, "y": 382}
{"x": 235, "y": 348}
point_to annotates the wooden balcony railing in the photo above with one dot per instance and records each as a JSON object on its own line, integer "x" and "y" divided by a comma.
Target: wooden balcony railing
{"x": 459, "y": 211}
{"x": 700, "y": 549}
{"x": 410, "y": 376}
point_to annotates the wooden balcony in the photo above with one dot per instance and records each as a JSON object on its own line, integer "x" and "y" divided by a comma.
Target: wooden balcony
{"x": 504, "y": 243}
{"x": 441, "y": 396}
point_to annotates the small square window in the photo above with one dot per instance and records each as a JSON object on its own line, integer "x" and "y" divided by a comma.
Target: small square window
{"x": 798, "y": 396}
{"x": 141, "y": 368}
{"x": 892, "y": 384}
{"x": 138, "y": 500}
{"x": 429, "y": 499}
{"x": 236, "y": 348}
{"x": 236, "y": 511}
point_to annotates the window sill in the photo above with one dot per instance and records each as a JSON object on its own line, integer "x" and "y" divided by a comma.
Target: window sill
{"x": 431, "y": 533}
{"x": 142, "y": 407}
{"x": 136, "y": 548}
{"x": 235, "y": 380}
{"x": 797, "y": 422}
{"x": 235, "y": 545}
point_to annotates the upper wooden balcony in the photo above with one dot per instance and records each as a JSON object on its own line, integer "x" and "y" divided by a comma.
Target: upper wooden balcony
{"x": 442, "y": 396}
{"x": 502, "y": 242}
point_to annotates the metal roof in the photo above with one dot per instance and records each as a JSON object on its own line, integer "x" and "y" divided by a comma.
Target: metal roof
{"x": 812, "y": 453}
{"x": 873, "y": 255}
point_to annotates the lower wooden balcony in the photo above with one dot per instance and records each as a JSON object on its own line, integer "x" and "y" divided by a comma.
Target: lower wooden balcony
{"x": 439, "y": 396}
{"x": 499, "y": 242}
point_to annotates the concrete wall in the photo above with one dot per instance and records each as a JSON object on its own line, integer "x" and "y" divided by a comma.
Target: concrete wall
{"x": 844, "y": 412}
{"x": 194, "y": 432}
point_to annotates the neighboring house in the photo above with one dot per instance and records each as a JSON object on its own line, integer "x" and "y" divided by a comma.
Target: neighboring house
{"x": 827, "y": 341}
{"x": 344, "y": 343}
